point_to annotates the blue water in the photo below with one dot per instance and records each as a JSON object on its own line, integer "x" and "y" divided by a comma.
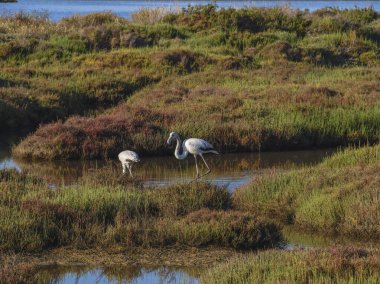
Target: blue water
{"x": 58, "y": 9}
{"x": 115, "y": 274}
{"x": 145, "y": 277}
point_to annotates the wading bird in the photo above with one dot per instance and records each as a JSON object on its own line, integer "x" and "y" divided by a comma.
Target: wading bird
{"x": 194, "y": 146}
{"x": 127, "y": 159}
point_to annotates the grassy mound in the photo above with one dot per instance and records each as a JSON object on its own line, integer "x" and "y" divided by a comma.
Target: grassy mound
{"x": 337, "y": 196}
{"x": 245, "y": 79}
{"x": 233, "y": 112}
{"x": 35, "y": 217}
{"x": 334, "y": 265}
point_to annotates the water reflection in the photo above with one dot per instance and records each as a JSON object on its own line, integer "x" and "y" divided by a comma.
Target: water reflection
{"x": 6, "y": 160}
{"x": 116, "y": 274}
{"x": 231, "y": 170}
{"x": 297, "y": 238}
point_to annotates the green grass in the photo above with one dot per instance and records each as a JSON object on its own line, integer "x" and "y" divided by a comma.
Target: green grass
{"x": 123, "y": 215}
{"x": 337, "y": 196}
{"x": 332, "y": 265}
{"x": 236, "y": 113}
{"x": 245, "y": 79}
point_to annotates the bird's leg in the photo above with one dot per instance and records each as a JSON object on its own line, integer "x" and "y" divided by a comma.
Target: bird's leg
{"x": 124, "y": 167}
{"x": 196, "y": 166}
{"x": 208, "y": 168}
{"x": 130, "y": 169}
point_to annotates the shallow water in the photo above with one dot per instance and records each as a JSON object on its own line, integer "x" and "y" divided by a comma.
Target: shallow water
{"x": 116, "y": 274}
{"x": 230, "y": 170}
{"x": 298, "y": 239}
{"x": 58, "y": 9}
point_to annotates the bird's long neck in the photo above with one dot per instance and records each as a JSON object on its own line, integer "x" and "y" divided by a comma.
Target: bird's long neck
{"x": 177, "y": 152}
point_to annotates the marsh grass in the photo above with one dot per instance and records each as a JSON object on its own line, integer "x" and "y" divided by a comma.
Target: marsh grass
{"x": 120, "y": 215}
{"x": 338, "y": 196}
{"x": 245, "y": 79}
{"x": 311, "y": 117}
{"x": 153, "y": 16}
{"x": 332, "y": 265}
{"x": 14, "y": 270}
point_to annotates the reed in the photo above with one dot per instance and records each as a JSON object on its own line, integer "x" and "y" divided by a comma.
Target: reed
{"x": 153, "y": 16}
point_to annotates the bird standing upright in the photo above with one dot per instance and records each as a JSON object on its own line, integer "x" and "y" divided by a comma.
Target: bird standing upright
{"x": 194, "y": 146}
{"x": 127, "y": 159}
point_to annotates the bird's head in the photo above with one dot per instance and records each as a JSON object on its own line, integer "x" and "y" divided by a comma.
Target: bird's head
{"x": 172, "y": 136}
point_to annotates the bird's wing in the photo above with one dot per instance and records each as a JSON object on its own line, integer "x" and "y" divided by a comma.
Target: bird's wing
{"x": 195, "y": 145}
{"x": 133, "y": 156}
{"x": 206, "y": 146}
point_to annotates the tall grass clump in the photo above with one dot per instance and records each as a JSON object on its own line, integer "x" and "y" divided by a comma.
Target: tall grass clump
{"x": 120, "y": 215}
{"x": 152, "y": 16}
{"x": 338, "y": 196}
{"x": 332, "y": 265}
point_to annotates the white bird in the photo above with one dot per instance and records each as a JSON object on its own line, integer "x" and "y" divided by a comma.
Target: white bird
{"x": 127, "y": 159}
{"x": 194, "y": 146}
